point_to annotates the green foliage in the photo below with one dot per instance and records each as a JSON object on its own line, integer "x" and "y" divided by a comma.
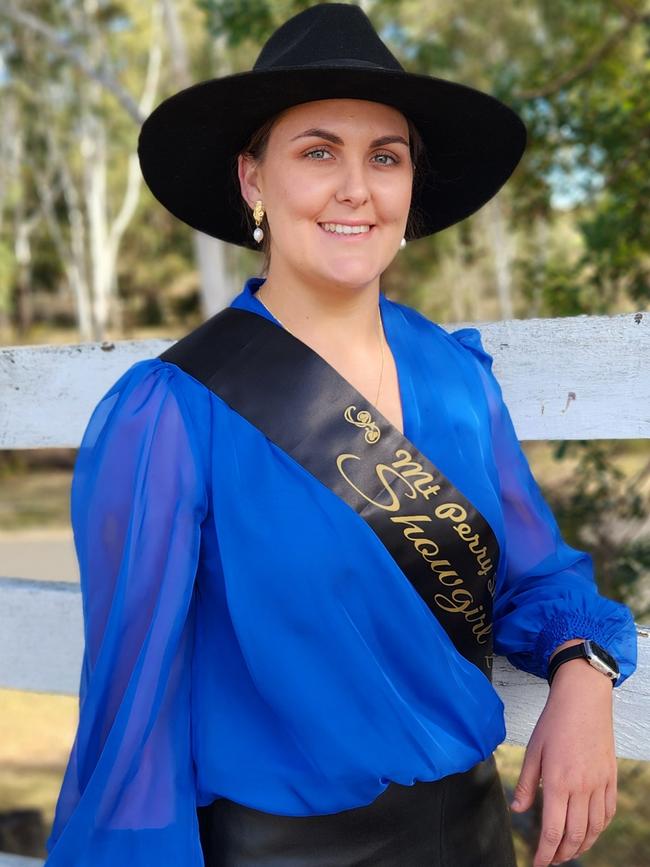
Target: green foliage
{"x": 241, "y": 21}
{"x": 7, "y": 273}
{"x": 587, "y": 111}
{"x": 238, "y": 20}
{"x": 602, "y": 501}
{"x": 553, "y": 286}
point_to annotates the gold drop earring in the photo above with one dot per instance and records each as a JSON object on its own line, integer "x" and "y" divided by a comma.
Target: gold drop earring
{"x": 258, "y": 213}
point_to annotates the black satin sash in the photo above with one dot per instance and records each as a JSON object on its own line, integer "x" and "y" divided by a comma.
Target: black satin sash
{"x": 441, "y": 542}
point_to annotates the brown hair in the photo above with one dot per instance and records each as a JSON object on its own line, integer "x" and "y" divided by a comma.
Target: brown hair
{"x": 256, "y": 148}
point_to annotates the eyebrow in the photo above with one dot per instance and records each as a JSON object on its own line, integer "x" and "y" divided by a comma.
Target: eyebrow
{"x": 335, "y": 139}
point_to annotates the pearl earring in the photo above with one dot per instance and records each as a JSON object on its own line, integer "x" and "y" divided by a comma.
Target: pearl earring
{"x": 258, "y": 213}
{"x": 402, "y": 243}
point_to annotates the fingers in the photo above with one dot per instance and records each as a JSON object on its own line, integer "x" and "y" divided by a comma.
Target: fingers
{"x": 554, "y": 811}
{"x": 610, "y": 796}
{"x": 571, "y": 822}
{"x": 596, "y": 822}
{"x": 577, "y": 822}
{"x": 602, "y": 809}
{"x": 528, "y": 783}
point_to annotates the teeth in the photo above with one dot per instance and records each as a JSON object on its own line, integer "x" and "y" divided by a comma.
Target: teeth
{"x": 340, "y": 229}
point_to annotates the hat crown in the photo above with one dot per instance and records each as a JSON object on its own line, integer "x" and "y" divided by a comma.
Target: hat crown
{"x": 328, "y": 35}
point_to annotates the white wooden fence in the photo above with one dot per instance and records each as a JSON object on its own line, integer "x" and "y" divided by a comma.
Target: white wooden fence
{"x": 584, "y": 377}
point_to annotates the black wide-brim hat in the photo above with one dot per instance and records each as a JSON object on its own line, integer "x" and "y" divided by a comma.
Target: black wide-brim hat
{"x": 188, "y": 145}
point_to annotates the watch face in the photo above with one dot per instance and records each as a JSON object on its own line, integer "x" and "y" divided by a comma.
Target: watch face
{"x": 599, "y": 651}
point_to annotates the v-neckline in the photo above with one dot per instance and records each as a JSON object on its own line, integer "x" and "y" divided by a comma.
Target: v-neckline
{"x": 392, "y": 337}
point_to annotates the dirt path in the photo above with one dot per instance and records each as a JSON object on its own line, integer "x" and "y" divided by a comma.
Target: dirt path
{"x": 45, "y": 554}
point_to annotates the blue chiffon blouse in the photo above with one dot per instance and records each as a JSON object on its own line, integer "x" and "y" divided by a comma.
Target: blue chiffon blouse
{"x": 248, "y": 636}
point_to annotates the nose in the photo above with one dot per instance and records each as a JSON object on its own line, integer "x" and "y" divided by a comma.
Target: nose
{"x": 353, "y": 185}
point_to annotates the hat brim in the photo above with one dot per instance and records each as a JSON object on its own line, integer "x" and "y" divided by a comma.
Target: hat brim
{"x": 188, "y": 145}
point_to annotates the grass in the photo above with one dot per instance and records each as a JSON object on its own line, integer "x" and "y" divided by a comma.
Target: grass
{"x": 35, "y": 499}
{"x": 36, "y": 733}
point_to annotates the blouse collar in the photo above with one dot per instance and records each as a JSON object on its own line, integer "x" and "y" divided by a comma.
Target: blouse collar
{"x": 395, "y": 328}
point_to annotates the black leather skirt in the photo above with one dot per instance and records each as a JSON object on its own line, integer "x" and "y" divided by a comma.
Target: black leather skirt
{"x": 461, "y": 820}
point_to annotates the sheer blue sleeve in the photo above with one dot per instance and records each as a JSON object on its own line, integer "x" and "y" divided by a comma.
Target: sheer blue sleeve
{"x": 137, "y": 503}
{"x": 548, "y": 594}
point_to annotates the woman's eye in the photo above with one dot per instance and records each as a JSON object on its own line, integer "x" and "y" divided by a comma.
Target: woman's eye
{"x": 317, "y": 151}
{"x": 389, "y": 156}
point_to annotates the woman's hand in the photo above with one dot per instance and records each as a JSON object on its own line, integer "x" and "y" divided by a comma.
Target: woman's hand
{"x": 572, "y": 749}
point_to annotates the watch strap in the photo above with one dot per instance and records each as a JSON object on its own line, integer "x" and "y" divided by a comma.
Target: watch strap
{"x": 576, "y": 651}
{"x": 593, "y": 653}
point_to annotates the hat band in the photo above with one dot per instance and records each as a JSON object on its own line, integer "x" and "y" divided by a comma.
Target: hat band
{"x": 335, "y": 62}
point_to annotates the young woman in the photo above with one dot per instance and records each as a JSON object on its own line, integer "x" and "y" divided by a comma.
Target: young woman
{"x": 304, "y": 530}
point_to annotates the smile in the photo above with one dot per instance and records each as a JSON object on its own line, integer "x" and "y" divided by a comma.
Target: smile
{"x": 341, "y": 230}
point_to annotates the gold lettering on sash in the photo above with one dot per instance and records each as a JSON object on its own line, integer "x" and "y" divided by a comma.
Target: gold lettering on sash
{"x": 457, "y": 513}
{"x": 408, "y": 476}
{"x": 415, "y": 469}
{"x": 458, "y": 604}
{"x": 394, "y": 504}
{"x": 364, "y": 419}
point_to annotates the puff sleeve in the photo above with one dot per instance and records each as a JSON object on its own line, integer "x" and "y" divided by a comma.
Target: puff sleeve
{"x": 548, "y": 593}
{"x": 137, "y": 503}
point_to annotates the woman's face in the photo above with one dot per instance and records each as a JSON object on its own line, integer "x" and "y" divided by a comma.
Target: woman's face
{"x": 331, "y": 164}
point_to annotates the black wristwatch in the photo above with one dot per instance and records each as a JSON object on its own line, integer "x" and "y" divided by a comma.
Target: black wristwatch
{"x": 592, "y": 652}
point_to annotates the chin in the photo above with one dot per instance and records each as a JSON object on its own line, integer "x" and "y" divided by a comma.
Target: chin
{"x": 354, "y": 281}
{"x": 347, "y": 273}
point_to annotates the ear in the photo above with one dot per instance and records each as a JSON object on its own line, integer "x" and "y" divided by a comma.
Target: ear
{"x": 248, "y": 174}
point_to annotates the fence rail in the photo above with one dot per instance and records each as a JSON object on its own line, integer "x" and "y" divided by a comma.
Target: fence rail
{"x": 578, "y": 377}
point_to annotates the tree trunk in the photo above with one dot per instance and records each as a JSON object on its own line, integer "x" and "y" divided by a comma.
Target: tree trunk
{"x": 22, "y": 252}
{"x": 216, "y": 282}
{"x": 502, "y": 252}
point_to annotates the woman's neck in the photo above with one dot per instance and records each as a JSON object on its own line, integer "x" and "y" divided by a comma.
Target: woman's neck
{"x": 335, "y": 316}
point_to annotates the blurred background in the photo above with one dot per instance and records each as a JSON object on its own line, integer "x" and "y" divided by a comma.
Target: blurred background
{"x": 87, "y": 254}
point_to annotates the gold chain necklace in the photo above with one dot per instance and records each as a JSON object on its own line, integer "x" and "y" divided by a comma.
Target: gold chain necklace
{"x": 381, "y": 342}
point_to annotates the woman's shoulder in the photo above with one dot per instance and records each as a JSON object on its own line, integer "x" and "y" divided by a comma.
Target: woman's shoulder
{"x": 151, "y": 395}
{"x": 152, "y": 416}
{"x": 471, "y": 339}
{"x": 157, "y": 371}
{"x": 468, "y": 341}
{"x": 155, "y": 380}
